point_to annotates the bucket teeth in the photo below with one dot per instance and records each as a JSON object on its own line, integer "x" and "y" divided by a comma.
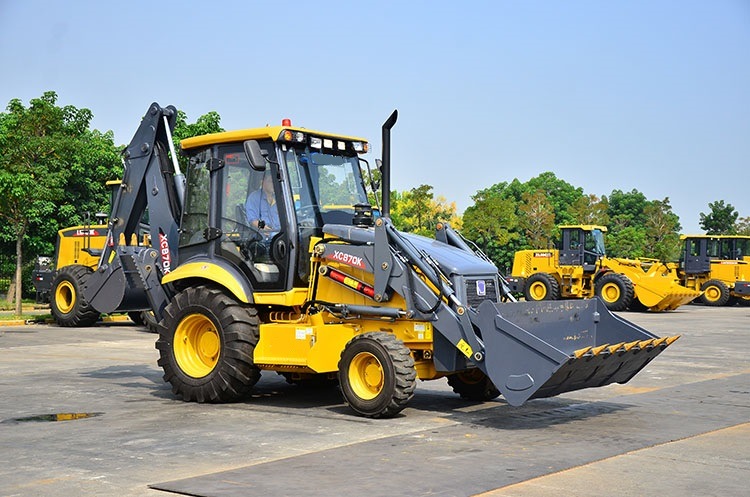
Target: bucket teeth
{"x": 645, "y": 343}
{"x": 616, "y": 347}
{"x": 598, "y": 350}
{"x": 629, "y": 345}
{"x": 672, "y": 339}
{"x": 581, "y": 352}
{"x": 659, "y": 341}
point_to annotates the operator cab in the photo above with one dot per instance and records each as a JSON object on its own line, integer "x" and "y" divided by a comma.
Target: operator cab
{"x": 582, "y": 246}
{"x": 256, "y": 197}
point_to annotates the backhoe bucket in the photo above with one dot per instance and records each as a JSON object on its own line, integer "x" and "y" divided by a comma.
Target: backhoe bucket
{"x": 542, "y": 349}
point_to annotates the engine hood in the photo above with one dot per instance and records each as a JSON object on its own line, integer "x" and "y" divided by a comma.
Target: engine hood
{"x": 452, "y": 261}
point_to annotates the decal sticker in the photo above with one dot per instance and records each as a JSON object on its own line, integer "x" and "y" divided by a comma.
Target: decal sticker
{"x": 351, "y": 260}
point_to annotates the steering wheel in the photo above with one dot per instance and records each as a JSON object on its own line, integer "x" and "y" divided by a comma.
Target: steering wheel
{"x": 247, "y": 232}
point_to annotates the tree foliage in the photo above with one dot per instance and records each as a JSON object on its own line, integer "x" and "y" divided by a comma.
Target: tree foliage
{"x": 492, "y": 223}
{"x": 52, "y": 168}
{"x": 589, "y": 209}
{"x": 720, "y": 220}
{"x": 418, "y": 211}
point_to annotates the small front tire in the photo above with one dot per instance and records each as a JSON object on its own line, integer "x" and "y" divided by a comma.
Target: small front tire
{"x": 377, "y": 375}
{"x": 615, "y": 290}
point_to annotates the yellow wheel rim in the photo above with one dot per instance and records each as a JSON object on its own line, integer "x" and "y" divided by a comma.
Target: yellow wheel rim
{"x": 538, "y": 290}
{"x": 712, "y": 293}
{"x": 65, "y": 297}
{"x": 197, "y": 345}
{"x": 366, "y": 376}
{"x": 610, "y": 292}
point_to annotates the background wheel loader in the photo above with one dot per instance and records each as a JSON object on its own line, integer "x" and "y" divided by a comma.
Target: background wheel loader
{"x": 580, "y": 268}
{"x": 329, "y": 294}
{"x": 59, "y": 280}
{"x": 718, "y": 266}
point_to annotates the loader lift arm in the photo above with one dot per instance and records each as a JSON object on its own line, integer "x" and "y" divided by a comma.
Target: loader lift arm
{"x": 527, "y": 349}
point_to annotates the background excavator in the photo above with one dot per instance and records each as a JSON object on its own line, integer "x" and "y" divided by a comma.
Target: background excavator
{"x": 331, "y": 294}
{"x": 580, "y": 268}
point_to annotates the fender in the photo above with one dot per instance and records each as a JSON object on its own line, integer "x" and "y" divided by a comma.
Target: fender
{"x": 217, "y": 271}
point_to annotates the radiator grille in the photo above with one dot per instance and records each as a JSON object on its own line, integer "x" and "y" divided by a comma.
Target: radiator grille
{"x": 479, "y": 290}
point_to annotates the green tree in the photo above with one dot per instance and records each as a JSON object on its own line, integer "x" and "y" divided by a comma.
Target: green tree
{"x": 625, "y": 209}
{"x": 743, "y": 226}
{"x": 48, "y": 157}
{"x": 628, "y": 242}
{"x": 537, "y": 219}
{"x": 720, "y": 220}
{"x": 418, "y": 211}
{"x": 491, "y": 222}
{"x": 559, "y": 193}
{"x": 204, "y": 125}
{"x": 662, "y": 229}
{"x": 589, "y": 209}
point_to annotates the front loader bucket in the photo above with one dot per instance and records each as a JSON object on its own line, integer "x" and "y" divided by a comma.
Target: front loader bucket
{"x": 655, "y": 284}
{"x": 659, "y": 290}
{"x": 542, "y": 349}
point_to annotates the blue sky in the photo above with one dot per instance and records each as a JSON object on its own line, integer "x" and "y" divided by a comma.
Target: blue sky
{"x": 652, "y": 95}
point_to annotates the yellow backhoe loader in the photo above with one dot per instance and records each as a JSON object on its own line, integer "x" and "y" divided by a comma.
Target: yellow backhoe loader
{"x": 267, "y": 256}
{"x": 580, "y": 268}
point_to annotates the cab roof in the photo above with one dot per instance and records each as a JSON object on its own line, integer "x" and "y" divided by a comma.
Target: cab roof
{"x": 268, "y": 132}
{"x": 737, "y": 237}
{"x": 584, "y": 227}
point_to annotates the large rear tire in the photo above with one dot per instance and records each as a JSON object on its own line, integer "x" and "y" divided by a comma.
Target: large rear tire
{"x": 68, "y": 306}
{"x": 542, "y": 286}
{"x": 615, "y": 290}
{"x": 377, "y": 375}
{"x": 715, "y": 293}
{"x": 206, "y": 344}
{"x": 473, "y": 384}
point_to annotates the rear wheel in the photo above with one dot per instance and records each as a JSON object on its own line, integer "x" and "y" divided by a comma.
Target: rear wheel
{"x": 542, "y": 286}
{"x": 473, "y": 384}
{"x": 206, "y": 343}
{"x": 715, "y": 293}
{"x": 149, "y": 321}
{"x": 377, "y": 375}
{"x": 68, "y": 306}
{"x": 615, "y": 290}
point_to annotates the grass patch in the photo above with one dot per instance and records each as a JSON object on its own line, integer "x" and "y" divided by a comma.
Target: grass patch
{"x": 9, "y": 316}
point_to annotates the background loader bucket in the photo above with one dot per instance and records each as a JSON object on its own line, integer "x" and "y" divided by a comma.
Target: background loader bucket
{"x": 656, "y": 286}
{"x": 541, "y": 349}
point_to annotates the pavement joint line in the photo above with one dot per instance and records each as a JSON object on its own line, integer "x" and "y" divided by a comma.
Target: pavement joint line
{"x": 490, "y": 493}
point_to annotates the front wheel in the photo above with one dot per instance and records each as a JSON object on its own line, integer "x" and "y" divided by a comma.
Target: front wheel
{"x": 377, "y": 375}
{"x": 542, "y": 286}
{"x": 615, "y": 290}
{"x": 206, "y": 344}
{"x": 715, "y": 293}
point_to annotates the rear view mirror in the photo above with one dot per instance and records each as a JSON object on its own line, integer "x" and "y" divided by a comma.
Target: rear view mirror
{"x": 255, "y": 156}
